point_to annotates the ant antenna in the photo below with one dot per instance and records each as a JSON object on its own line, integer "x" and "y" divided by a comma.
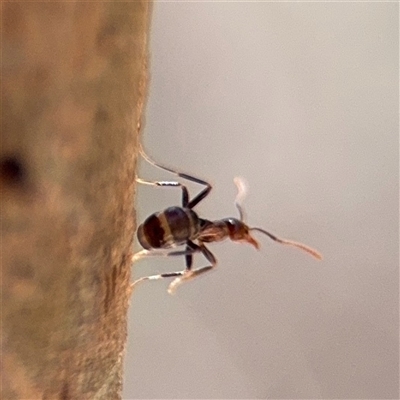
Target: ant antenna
{"x": 300, "y": 246}
{"x": 242, "y": 191}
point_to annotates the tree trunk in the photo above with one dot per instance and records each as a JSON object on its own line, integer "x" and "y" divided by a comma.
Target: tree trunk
{"x": 73, "y": 88}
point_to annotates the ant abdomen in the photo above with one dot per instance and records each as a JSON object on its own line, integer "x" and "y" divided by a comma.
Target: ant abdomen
{"x": 172, "y": 227}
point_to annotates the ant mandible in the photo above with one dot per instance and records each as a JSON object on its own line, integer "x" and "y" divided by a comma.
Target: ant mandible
{"x": 180, "y": 225}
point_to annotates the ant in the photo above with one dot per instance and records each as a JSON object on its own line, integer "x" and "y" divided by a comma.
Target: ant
{"x": 180, "y": 225}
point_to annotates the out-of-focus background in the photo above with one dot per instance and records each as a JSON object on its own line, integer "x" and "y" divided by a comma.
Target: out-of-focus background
{"x": 301, "y": 99}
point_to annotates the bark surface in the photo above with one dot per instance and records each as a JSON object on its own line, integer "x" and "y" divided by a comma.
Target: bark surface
{"x": 73, "y": 87}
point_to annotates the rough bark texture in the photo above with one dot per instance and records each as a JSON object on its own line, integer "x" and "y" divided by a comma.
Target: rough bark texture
{"x": 73, "y": 88}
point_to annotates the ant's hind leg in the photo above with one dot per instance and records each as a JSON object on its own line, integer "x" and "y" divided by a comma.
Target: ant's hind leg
{"x": 191, "y": 274}
{"x": 188, "y": 253}
{"x": 156, "y": 277}
{"x": 161, "y": 253}
{"x": 192, "y": 203}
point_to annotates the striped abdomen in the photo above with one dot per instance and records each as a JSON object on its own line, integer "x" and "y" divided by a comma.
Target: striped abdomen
{"x": 171, "y": 227}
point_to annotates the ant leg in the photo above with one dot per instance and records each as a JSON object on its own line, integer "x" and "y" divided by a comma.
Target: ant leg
{"x": 185, "y": 193}
{"x": 188, "y": 253}
{"x": 191, "y": 274}
{"x": 201, "y": 196}
{"x": 190, "y": 248}
{"x": 192, "y": 203}
{"x": 156, "y": 277}
{"x": 155, "y": 253}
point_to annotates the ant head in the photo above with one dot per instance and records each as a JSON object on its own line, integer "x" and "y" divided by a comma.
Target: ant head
{"x": 239, "y": 232}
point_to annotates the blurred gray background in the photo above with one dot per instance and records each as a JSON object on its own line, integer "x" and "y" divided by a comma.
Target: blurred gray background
{"x": 300, "y": 99}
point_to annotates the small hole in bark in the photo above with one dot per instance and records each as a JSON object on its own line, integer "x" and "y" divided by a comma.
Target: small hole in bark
{"x": 12, "y": 171}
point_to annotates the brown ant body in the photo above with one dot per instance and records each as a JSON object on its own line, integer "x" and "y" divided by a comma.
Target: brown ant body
{"x": 180, "y": 225}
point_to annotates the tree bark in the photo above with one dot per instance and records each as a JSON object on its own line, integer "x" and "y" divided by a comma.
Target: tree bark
{"x": 73, "y": 88}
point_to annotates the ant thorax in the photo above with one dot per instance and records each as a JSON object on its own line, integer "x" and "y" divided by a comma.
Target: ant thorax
{"x": 213, "y": 231}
